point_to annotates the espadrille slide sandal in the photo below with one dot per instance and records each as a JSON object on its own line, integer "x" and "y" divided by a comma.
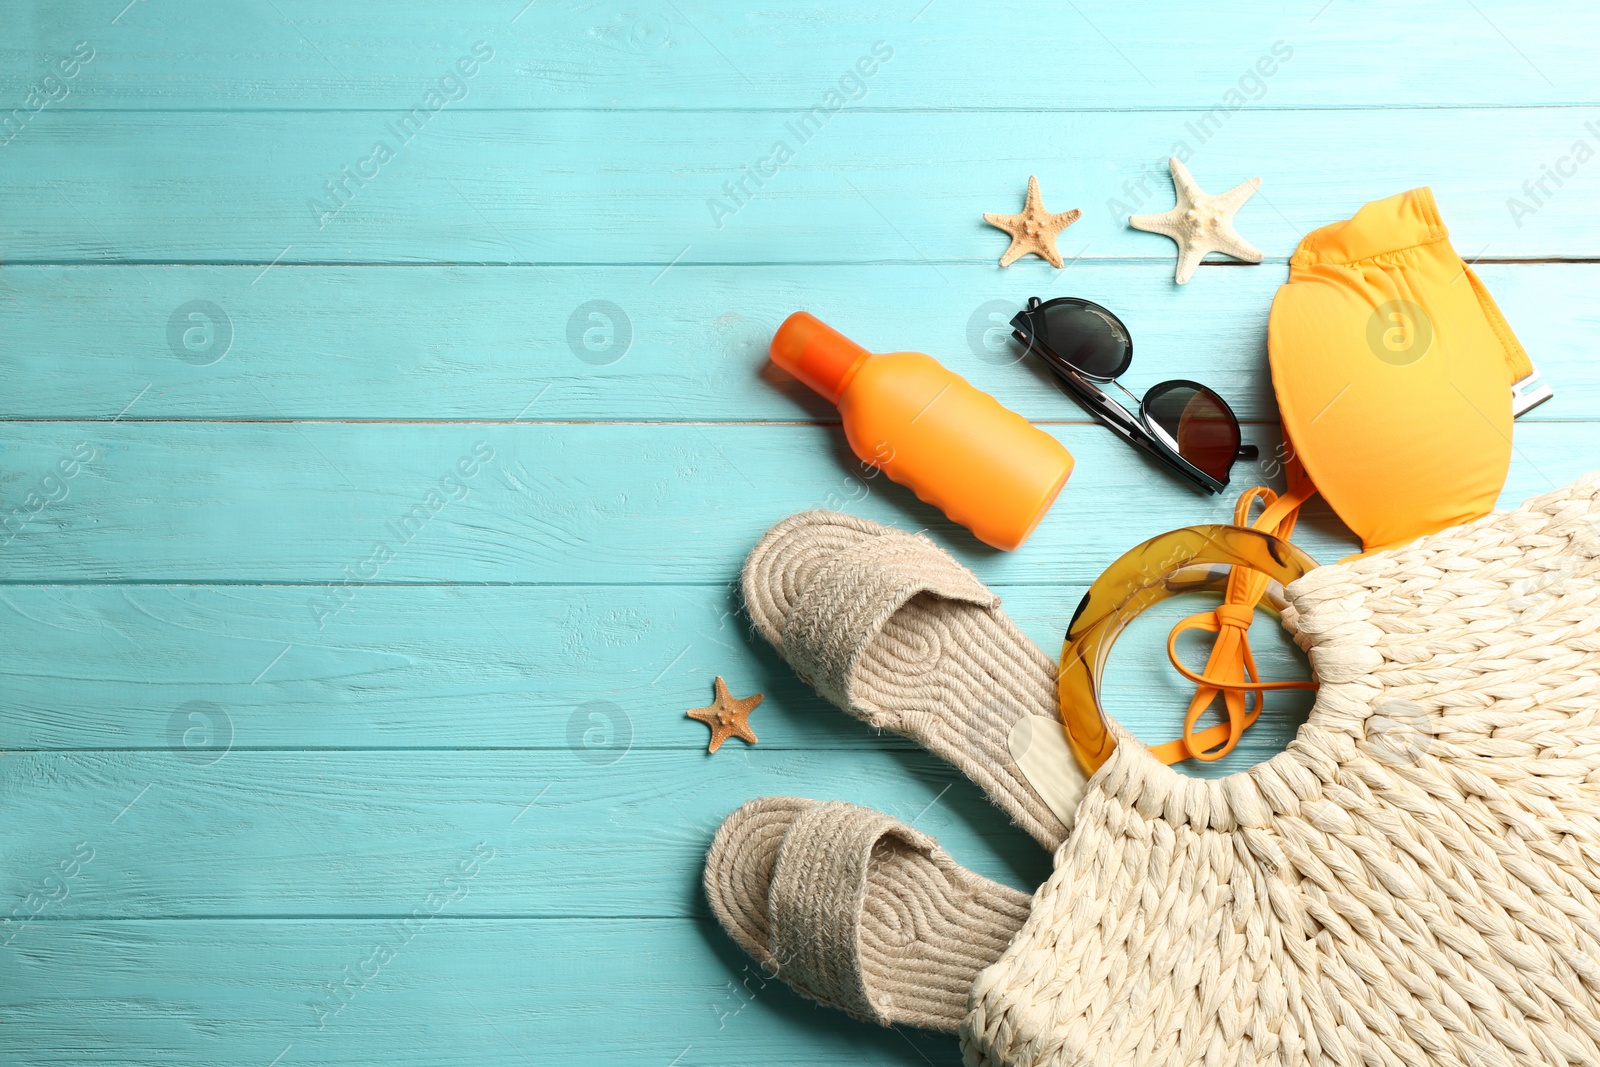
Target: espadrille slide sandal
{"x": 893, "y": 630}
{"x": 858, "y": 911}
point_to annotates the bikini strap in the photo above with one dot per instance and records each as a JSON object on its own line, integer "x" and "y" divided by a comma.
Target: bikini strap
{"x": 1231, "y": 668}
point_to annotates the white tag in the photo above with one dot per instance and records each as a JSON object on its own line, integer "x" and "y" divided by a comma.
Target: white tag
{"x": 1039, "y": 747}
{"x": 1529, "y": 394}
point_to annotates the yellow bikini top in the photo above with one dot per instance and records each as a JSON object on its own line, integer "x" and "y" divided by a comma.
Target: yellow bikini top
{"x": 1391, "y": 365}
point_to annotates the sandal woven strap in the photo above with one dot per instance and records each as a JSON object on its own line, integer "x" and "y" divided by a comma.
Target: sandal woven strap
{"x": 854, "y": 592}
{"x": 819, "y": 888}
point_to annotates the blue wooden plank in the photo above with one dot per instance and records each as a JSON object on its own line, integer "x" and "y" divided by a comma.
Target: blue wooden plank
{"x": 557, "y": 668}
{"x": 478, "y": 342}
{"x": 660, "y": 188}
{"x": 334, "y": 506}
{"x": 198, "y": 832}
{"x": 788, "y": 54}
{"x": 455, "y": 992}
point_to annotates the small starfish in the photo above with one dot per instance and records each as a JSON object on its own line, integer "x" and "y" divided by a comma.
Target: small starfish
{"x": 1201, "y": 223}
{"x": 1034, "y": 231}
{"x": 726, "y": 716}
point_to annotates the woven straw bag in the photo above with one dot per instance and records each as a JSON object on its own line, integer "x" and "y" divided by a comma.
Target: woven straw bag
{"x": 1414, "y": 881}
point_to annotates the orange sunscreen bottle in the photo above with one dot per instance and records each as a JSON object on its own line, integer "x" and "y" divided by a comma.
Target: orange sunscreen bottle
{"x": 954, "y": 446}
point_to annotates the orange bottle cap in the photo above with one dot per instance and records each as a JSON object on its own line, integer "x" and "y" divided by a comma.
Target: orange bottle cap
{"x": 817, "y": 354}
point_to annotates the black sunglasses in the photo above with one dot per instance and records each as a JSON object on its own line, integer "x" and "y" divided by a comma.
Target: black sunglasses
{"x": 1183, "y": 424}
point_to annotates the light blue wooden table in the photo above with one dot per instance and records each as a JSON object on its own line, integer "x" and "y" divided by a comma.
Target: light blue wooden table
{"x": 370, "y": 515}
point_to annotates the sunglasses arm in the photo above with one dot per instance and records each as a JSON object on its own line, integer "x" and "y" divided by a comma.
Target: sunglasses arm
{"x": 1121, "y": 421}
{"x": 1117, "y": 418}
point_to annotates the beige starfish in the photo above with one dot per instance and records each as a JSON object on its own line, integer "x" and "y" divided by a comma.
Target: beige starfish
{"x": 1034, "y": 231}
{"x": 726, "y": 716}
{"x": 1201, "y": 223}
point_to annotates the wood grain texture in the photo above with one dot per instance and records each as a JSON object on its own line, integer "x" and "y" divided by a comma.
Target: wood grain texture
{"x": 477, "y": 343}
{"x": 552, "y": 668}
{"x": 547, "y": 187}
{"x": 332, "y": 506}
{"x": 196, "y": 832}
{"x": 787, "y": 54}
{"x": 617, "y": 992}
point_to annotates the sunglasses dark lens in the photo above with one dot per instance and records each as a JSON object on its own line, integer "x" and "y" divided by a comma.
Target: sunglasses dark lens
{"x": 1088, "y": 338}
{"x": 1197, "y": 422}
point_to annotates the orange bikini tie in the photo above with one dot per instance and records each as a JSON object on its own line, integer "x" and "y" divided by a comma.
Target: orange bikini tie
{"x": 1231, "y": 669}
